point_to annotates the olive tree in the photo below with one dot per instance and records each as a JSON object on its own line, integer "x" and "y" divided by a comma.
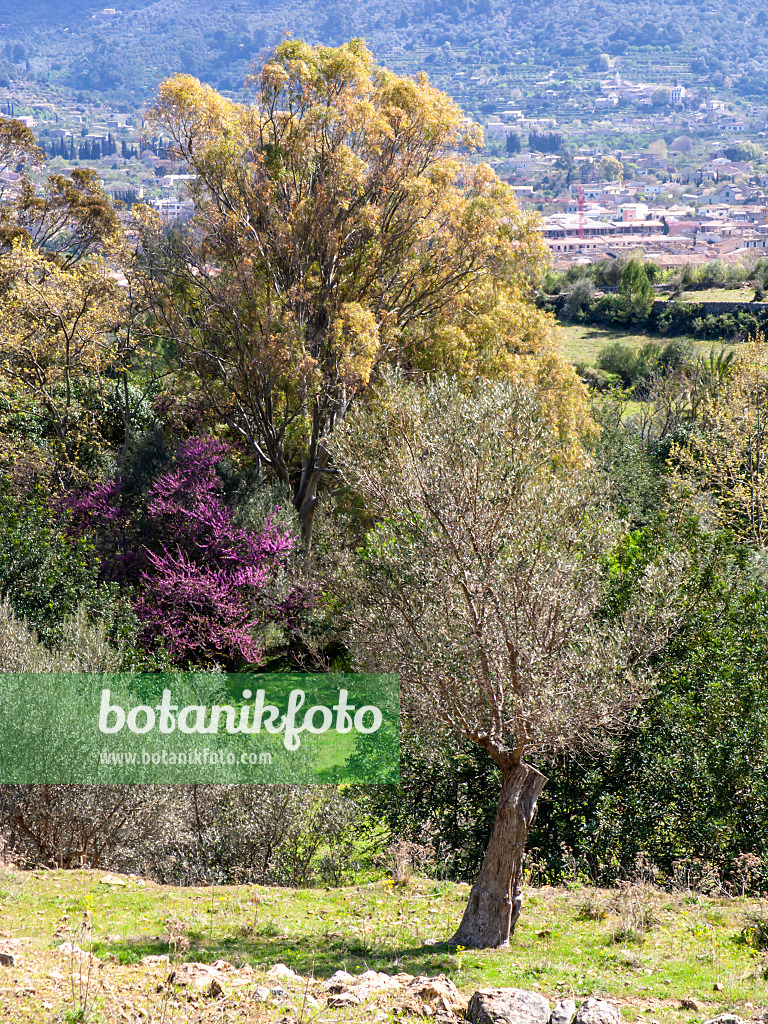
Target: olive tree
{"x": 487, "y": 582}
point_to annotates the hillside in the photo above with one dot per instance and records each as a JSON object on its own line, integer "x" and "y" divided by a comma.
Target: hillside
{"x": 77, "y": 46}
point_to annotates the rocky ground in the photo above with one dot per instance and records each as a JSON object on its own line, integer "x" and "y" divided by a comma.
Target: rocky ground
{"x": 93, "y": 947}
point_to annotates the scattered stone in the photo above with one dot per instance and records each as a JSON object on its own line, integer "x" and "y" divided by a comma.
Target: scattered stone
{"x": 201, "y": 977}
{"x": 278, "y": 992}
{"x": 718, "y": 986}
{"x": 7, "y": 958}
{"x": 726, "y": 1018}
{"x": 371, "y": 982}
{"x": 161, "y": 958}
{"x": 563, "y": 1012}
{"x": 72, "y": 949}
{"x": 508, "y": 1006}
{"x": 112, "y": 880}
{"x": 338, "y": 982}
{"x": 222, "y": 965}
{"x": 342, "y": 999}
{"x": 597, "y": 1011}
{"x": 280, "y": 972}
{"x": 261, "y": 995}
{"x": 430, "y": 996}
{"x": 690, "y": 1004}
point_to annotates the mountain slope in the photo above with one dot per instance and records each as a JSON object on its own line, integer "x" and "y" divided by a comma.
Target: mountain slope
{"x": 74, "y": 44}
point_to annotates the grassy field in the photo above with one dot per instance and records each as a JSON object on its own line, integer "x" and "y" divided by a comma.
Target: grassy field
{"x": 582, "y": 343}
{"x": 643, "y": 948}
{"x": 745, "y": 294}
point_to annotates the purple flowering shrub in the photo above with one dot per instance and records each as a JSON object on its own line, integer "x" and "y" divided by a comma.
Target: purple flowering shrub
{"x": 202, "y": 585}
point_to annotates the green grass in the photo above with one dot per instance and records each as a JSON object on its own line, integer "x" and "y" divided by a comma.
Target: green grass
{"x": 720, "y": 295}
{"x": 582, "y": 343}
{"x": 644, "y": 948}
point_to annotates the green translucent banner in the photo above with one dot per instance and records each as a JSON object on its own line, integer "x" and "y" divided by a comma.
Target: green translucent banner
{"x": 199, "y": 727}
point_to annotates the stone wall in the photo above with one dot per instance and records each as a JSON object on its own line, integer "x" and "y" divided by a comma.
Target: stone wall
{"x": 714, "y": 308}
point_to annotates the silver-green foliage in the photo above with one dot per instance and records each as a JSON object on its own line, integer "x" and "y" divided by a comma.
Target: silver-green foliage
{"x": 484, "y": 578}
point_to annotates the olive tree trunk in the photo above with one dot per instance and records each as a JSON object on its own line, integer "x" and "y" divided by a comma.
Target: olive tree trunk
{"x": 495, "y": 901}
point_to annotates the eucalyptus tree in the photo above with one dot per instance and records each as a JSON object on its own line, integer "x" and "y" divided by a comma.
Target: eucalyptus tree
{"x": 339, "y": 229}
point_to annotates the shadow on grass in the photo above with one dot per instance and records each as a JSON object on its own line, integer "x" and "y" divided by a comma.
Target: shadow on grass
{"x": 304, "y": 954}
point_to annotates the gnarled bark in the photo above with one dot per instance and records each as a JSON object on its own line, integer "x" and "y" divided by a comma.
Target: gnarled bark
{"x": 495, "y": 901}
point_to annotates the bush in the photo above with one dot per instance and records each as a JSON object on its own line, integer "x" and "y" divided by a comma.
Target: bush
{"x": 630, "y": 365}
{"x": 44, "y": 574}
{"x": 578, "y": 300}
{"x": 688, "y": 784}
{"x": 191, "y": 835}
{"x": 204, "y": 586}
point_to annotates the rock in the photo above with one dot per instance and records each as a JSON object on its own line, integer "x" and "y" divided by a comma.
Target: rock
{"x": 717, "y": 987}
{"x": 112, "y": 880}
{"x": 201, "y": 977}
{"x": 726, "y": 1018}
{"x": 155, "y": 959}
{"x": 278, "y": 992}
{"x": 338, "y": 982}
{"x": 7, "y": 958}
{"x": 597, "y": 1011}
{"x": 563, "y": 1012}
{"x": 690, "y": 1004}
{"x": 281, "y": 973}
{"x": 341, "y": 999}
{"x": 72, "y": 949}
{"x": 261, "y": 995}
{"x": 509, "y": 1006}
{"x": 436, "y": 995}
{"x": 372, "y": 981}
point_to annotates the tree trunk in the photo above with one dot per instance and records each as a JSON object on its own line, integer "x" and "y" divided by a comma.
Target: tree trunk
{"x": 305, "y": 502}
{"x": 495, "y": 901}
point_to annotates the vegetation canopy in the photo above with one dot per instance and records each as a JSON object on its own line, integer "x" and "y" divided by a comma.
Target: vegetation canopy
{"x": 339, "y": 229}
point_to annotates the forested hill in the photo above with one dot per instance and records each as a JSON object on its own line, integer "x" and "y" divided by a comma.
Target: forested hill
{"x": 122, "y": 53}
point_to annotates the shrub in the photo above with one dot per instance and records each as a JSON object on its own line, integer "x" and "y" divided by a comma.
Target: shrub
{"x": 578, "y": 300}
{"x": 630, "y": 365}
{"x": 44, "y": 574}
{"x": 202, "y": 585}
{"x": 190, "y": 835}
